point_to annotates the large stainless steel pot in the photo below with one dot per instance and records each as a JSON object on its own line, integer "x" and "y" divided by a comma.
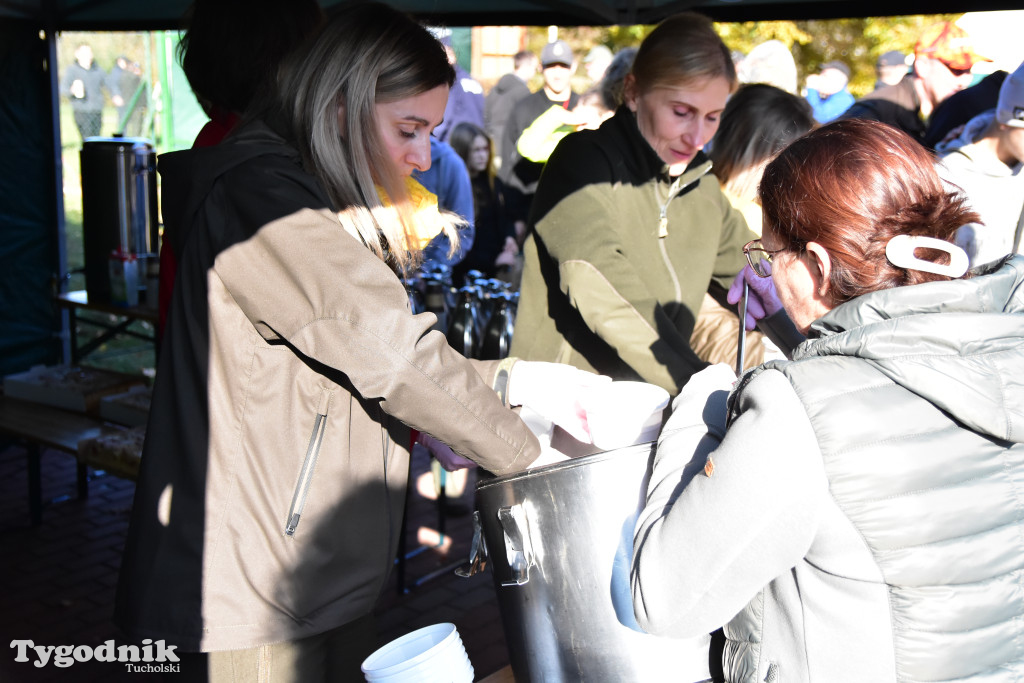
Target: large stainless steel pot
{"x": 559, "y": 540}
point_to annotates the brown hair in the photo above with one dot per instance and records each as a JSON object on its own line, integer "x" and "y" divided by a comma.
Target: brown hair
{"x": 758, "y": 121}
{"x": 851, "y": 186}
{"x": 681, "y": 50}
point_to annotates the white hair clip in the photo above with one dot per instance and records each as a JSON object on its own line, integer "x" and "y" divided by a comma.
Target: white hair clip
{"x": 900, "y": 252}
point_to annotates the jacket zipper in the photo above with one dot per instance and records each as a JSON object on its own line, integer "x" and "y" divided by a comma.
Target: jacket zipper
{"x": 674, "y": 189}
{"x": 308, "y": 464}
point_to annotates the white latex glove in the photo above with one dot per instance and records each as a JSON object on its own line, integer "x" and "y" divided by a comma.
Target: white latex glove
{"x": 449, "y": 459}
{"x": 553, "y": 390}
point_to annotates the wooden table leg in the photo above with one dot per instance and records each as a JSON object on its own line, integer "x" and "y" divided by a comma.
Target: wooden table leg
{"x": 83, "y": 480}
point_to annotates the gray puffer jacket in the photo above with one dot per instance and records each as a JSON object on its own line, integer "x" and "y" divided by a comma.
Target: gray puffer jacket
{"x": 864, "y": 518}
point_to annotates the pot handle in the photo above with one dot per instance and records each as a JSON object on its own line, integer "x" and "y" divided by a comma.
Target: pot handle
{"x": 518, "y": 548}
{"x": 477, "y": 552}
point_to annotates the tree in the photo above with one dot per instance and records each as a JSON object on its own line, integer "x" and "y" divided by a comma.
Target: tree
{"x": 858, "y": 42}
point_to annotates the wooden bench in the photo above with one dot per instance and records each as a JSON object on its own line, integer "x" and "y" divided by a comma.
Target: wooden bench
{"x": 40, "y": 426}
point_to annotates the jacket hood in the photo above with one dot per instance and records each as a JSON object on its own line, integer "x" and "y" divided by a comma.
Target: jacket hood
{"x": 971, "y": 133}
{"x": 188, "y": 175}
{"x": 959, "y": 344}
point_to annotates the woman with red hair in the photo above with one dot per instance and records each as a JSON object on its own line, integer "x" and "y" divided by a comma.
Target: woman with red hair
{"x": 853, "y": 514}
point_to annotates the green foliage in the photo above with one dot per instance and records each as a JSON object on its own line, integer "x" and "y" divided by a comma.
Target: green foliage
{"x": 858, "y": 42}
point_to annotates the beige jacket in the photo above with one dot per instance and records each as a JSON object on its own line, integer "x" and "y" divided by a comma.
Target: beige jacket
{"x": 273, "y": 478}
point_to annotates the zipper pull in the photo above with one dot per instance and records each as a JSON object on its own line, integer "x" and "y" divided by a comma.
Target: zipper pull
{"x": 663, "y": 225}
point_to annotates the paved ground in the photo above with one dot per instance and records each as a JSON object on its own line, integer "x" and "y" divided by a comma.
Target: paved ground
{"x": 58, "y": 578}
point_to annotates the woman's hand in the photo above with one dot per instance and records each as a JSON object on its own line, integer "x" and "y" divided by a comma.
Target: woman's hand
{"x": 449, "y": 459}
{"x": 508, "y": 254}
{"x": 763, "y": 300}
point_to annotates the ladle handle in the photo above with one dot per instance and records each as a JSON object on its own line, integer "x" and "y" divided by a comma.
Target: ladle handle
{"x": 741, "y": 342}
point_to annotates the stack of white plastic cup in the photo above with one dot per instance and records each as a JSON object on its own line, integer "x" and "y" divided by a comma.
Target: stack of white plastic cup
{"x": 433, "y": 654}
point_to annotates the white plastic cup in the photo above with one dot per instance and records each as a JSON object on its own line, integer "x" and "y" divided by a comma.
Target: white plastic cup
{"x": 621, "y": 414}
{"x": 433, "y": 654}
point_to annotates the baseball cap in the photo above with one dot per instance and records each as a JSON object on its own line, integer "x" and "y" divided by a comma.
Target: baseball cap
{"x": 1010, "y": 109}
{"x": 892, "y": 58}
{"x": 949, "y": 44}
{"x": 838, "y": 66}
{"x": 598, "y": 52}
{"x": 557, "y": 52}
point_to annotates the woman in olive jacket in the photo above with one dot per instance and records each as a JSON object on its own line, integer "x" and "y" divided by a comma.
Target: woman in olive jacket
{"x": 629, "y": 227}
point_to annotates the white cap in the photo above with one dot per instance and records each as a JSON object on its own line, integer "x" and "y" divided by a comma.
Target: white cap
{"x": 1010, "y": 110}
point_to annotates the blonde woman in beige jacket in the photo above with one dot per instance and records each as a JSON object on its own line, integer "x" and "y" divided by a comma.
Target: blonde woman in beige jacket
{"x": 273, "y": 481}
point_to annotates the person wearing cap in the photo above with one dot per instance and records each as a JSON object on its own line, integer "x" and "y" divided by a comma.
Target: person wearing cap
{"x": 985, "y": 163}
{"x": 596, "y": 62}
{"x": 852, "y": 514}
{"x": 890, "y": 68}
{"x": 943, "y": 58}
{"x": 827, "y": 93}
{"x": 520, "y": 176}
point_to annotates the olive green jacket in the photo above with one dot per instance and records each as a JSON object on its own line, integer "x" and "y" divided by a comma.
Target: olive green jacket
{"x": 620, "y": 255}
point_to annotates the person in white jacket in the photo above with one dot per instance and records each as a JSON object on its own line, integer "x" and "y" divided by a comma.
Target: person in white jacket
{"x": 984, "y": 162}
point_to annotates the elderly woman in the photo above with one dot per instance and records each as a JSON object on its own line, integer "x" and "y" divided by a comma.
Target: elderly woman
{"x": 629, "y": 227}
{"x": 853, "y": 514}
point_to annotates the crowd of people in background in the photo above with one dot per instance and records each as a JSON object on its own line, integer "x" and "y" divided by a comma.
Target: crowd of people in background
{"x": 924, "y": 93}
{"x": 87, "y": 86}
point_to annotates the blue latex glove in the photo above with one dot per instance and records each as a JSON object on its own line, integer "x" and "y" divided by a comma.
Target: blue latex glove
{"x": 763, "y": 300}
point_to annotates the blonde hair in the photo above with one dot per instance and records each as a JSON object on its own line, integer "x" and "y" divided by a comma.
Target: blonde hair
{"x": 365, "y": 55}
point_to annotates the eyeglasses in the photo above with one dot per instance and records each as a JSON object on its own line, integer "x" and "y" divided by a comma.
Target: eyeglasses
{"x": 759, "y": 258}
{"x": 957, "y": 73}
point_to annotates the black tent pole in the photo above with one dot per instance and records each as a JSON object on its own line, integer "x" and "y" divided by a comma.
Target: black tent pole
{"x": 61, "y": 265}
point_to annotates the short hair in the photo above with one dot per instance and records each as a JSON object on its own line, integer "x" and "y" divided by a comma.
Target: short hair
{"x": 522, "y": 57}
{"x": 758, "y": 121}
{"x": 615, "y": 77}
{"x": 366, "y": 54}
{"x": 682, "y": 50}
{"x": 851, "y": 186}
{"x": 231, "y": 49}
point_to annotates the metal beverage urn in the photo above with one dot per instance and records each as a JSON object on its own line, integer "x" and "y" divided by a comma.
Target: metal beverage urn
{"x": 119, "y": 217}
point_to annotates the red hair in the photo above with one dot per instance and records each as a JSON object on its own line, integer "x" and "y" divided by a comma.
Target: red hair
{"x": 851, "y": 186}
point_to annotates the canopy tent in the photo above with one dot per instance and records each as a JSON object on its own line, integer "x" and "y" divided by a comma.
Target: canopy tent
{"x": 32, "y": 330}
{"x": 123, "y": 15}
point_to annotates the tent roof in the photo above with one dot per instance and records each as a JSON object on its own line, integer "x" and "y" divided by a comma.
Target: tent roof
{"x": 98, "y": 15}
